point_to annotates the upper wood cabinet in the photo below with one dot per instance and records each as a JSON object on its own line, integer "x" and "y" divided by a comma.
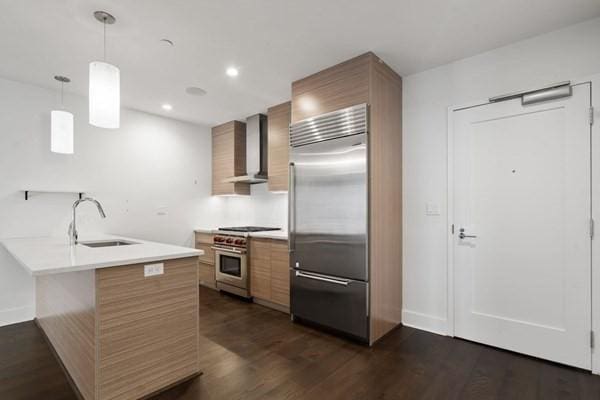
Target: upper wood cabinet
{"x": 229, "y": 157}
{"x": 334, "y": 88}
{"x": 279, "y": 139}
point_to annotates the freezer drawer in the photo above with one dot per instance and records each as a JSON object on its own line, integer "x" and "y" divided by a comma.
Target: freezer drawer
{"x": 336, "y": 255}
{"x": 333, "y": 302}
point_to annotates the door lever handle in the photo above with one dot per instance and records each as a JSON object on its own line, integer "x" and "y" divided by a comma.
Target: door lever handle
{"x": 462, "y": 235}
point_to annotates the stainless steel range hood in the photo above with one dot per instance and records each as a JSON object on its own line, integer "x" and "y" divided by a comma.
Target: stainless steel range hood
{"x": 256, "y": 152}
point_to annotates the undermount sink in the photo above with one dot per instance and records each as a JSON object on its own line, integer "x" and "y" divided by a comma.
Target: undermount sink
{"x": 107, "y": 243}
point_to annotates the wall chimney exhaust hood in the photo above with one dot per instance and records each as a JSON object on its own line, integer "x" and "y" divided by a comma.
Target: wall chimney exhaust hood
{"x": 256, "y": 152}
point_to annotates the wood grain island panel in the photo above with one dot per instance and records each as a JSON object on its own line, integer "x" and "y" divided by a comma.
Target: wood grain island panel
{"x": 119, "y": 334}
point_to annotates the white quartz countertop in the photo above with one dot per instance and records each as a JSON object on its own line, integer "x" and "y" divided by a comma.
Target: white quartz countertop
{"x": 51, "y": 255}
{"x": 277, "y": 235}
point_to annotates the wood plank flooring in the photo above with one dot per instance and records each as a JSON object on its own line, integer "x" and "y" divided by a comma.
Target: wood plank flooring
{"x": 250, "y": 352}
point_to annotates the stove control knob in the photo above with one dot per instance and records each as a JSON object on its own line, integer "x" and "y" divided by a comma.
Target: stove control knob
{"x": 229, "y": 240}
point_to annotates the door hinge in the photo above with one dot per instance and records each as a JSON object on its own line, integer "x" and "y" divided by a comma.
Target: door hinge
{"x": 592, "y": 339}
{"x": 591, "y": 115}
{"x": 591, "y": 228}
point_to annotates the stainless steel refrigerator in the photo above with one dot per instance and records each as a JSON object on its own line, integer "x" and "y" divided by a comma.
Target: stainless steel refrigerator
{"x": 328, "y": 221}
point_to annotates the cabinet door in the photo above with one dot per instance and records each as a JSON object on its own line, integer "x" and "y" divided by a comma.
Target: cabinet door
{"x": 206, "y": 275}
{"x": 279, "y": 139}
{"x": 260, "y": 268}
{"x": 280, "y": 275}
{"x": 334, "y": 88}
{"x": 260, "y": 279}
{"x": 228, "y": 157}
{"x": 204, "y": 242}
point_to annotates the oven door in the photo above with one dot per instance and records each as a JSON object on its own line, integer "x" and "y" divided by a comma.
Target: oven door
{"x": 230, "y": 267}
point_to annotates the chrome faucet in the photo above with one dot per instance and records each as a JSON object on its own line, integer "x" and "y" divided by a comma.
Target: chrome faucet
{"x": 73, "y": 235}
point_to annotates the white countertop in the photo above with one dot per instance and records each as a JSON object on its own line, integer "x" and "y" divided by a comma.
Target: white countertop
{"x": 50, "y": 255}
{"x": 277, "y": 235}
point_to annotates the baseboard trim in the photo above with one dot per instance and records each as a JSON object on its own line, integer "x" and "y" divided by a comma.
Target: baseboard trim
{"x": 425, "y": 322}
{"x": 15, "y": 315}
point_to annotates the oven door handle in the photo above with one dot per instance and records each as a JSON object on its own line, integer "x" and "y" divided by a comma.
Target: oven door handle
{"x": 227, "y": 250}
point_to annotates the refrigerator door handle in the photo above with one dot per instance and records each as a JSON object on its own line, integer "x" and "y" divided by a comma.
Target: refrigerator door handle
{"x": 291, "y": 209}
{"x": 342, "y": 282}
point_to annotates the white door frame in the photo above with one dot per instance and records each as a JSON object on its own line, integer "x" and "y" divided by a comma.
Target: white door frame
{"x": 595, "y": 190}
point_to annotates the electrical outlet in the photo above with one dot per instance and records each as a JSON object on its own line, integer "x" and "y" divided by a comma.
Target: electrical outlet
{"x": 154, "y": 269}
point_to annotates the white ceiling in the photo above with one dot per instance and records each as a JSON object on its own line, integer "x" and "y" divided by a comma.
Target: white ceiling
{"x": 273, "y": 42}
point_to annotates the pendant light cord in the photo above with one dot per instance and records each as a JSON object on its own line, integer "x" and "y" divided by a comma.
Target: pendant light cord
{"x": 62, "y": 95}
{"x": 104, "y": 25}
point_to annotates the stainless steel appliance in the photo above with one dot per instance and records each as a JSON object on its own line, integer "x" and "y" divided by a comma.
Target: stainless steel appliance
{"x": 231, "y": 258}
{"x": 231, "y": 263}
{"x": 328, "y": 221}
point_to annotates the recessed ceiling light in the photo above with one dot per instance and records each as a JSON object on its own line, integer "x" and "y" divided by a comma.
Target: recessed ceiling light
{"x": 232, "y": 71}
{"x": 167, "y": 107}
{"x": 195, "y": 91}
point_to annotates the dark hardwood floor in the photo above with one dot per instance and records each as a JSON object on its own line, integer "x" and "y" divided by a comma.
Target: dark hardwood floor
{"x": 250, "y": 352}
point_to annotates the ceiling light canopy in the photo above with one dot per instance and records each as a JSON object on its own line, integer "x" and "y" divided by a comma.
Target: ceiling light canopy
{"x": 195, "y": 91}
{"x": 167, "y": 107}
{"x": 105, "y": 86}
{"x": 61, "y": 124}
{"x": 232, "y": 71}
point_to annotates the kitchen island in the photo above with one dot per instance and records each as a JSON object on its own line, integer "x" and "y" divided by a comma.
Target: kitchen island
{"x": 120, "y": 313}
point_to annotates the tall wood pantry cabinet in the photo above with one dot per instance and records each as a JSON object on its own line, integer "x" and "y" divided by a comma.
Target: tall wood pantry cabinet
{"x": 367, "y": 79}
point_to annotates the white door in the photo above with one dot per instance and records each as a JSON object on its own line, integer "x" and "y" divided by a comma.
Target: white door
{"x": 521, "y": 178}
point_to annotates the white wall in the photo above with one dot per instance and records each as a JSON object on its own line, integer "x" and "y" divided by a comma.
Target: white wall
{"x": 150, "y": 166}
{"x": 567, "y": 54}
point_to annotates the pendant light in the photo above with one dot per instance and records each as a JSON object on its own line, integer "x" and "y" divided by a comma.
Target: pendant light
{"x": 61, "y": 124}
{"x": 105, "y": 86}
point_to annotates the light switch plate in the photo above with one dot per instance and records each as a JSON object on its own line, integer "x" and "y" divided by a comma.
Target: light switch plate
{"x": 154, "y": 269}
{"x": 162, "y": 211}
{"x": 432, "y": 209}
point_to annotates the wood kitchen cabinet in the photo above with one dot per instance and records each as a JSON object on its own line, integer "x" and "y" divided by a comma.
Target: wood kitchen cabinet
{"x": 337, "y": 87}
{"x": 366, "y": 79}
{"x": 206, "y": 262}
{"x": 229, "y": 158}
{"x": 279, "y": 118}
{"x": 269, "y": 273}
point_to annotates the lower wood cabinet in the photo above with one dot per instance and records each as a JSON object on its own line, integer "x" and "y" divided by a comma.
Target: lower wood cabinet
{"x": 206, "y": 275}
{"x": 280, "y": 273}
{"x": 206, "y": 262}
{"x": 269, "y": 272}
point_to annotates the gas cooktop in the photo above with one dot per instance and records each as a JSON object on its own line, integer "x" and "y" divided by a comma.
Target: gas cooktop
{"x": 248, "y": 229}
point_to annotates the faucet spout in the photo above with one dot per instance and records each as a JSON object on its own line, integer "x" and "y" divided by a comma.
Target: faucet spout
{"x": 73, "y": 234}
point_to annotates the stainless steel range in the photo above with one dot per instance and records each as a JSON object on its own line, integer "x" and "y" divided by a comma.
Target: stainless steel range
{"x": 231, "y": 258}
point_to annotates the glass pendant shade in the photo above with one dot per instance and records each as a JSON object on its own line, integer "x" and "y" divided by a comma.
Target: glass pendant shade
{"x": 105, "y": 95}
{"x": 61, "y": 132}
